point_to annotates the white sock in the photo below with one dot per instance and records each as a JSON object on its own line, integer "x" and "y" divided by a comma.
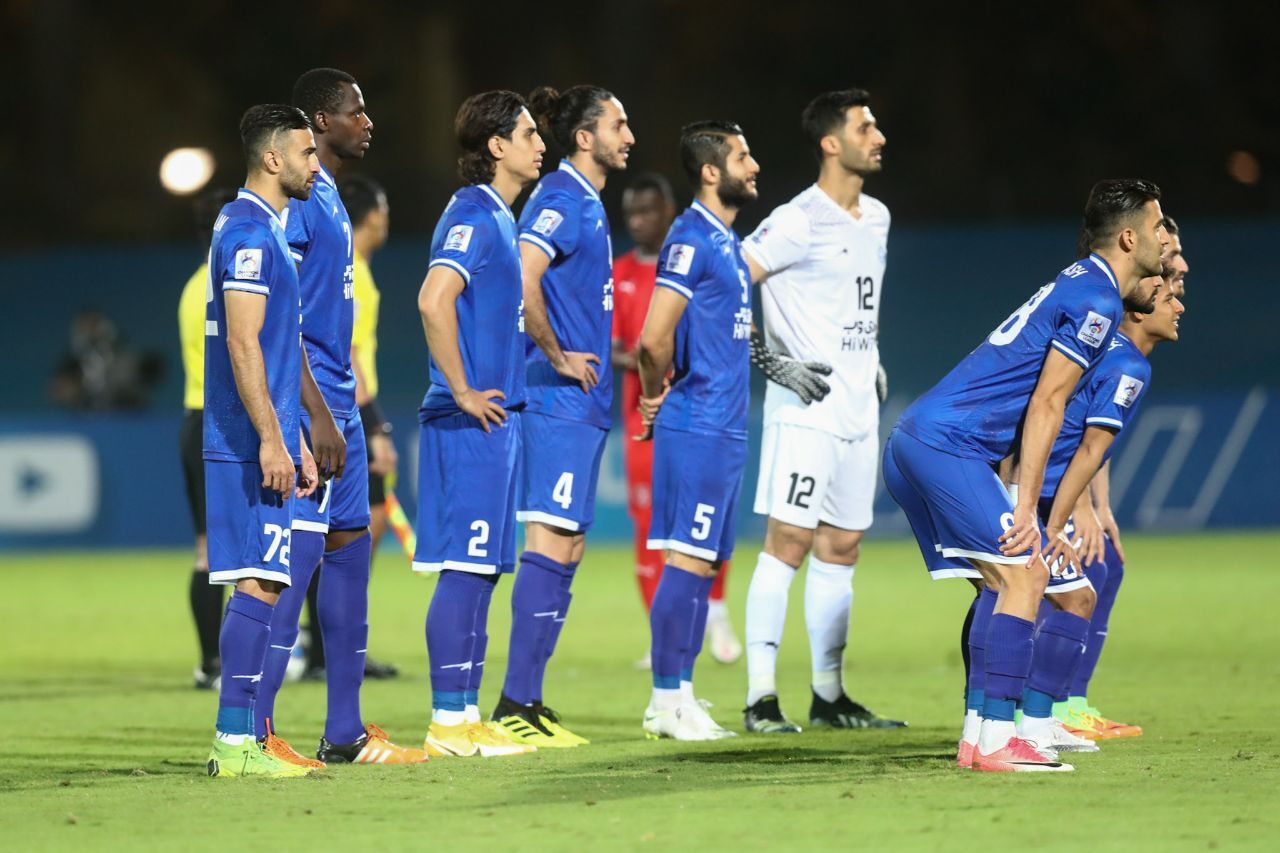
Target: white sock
{"x": 972, "y": 725}
{"x": 717, "y": 611}
{"x": 472, "y": 713}
{"x": 232, "y": 740}
{"x": 686, "y": 691}
{"x": 448, "y": 718}
{"x": 1029, "y": 727}
{"x": 828, "y": 598}
{"x": 766, "y": 617}
{"x": 665, "y": 700}
{"x": 995, "y": 735}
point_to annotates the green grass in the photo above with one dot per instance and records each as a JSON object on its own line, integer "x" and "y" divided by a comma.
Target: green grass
{"x": 104, "y": 740}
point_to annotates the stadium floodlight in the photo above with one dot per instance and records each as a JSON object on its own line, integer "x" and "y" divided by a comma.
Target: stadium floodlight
{"x": 184, "y": 171}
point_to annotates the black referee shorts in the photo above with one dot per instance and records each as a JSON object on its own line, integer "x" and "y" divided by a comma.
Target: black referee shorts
{"x": 191, "y": 446}
{"x": 377, "y": 482}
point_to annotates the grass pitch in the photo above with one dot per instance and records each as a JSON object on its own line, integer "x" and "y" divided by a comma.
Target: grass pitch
{"x": 104, "y": 740}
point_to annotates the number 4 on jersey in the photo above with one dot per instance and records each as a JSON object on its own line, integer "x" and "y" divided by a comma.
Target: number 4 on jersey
{"x": 563, "y": 492}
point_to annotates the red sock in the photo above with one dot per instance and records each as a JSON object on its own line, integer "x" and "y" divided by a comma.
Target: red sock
{"x": 717, "y": 586}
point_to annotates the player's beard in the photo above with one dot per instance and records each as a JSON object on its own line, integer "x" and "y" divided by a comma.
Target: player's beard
{"x": 1141, "y": 300}
{"x": 610, "y": 161}
{"x": 734, "y": 192}
{"x": 296, "y": 184}
{"x": 863, "y": 165}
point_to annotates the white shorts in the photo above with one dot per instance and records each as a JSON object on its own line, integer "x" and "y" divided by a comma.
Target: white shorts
{"x": 809, "y": 476}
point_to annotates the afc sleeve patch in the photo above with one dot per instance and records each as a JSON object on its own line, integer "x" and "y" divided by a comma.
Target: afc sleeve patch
{"x": 248, "y": 264}
{"x": 680, "y": 259}
{"x": 1093, "y": 331}
{"x": 458, "y": 239}
{"x": 547, "y": 222}
{"x": 1128, "y": 391}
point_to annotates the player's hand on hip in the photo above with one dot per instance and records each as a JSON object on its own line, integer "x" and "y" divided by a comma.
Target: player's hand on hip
{"x": 329, "y": 447}
{"x": 384, "y": 453}
{"x": 481, "y": 406}
{"x": 309, "y": 476}
{"x": 580, "y": 367}
{"x": 1023, "y": 535}
{"x": 1060, "y": 552}
{"x": 277, "y": 466}
{"x": 1089, "y": 537}
{"x": 1109, "y": 527}
{"x": 882, "y": 383}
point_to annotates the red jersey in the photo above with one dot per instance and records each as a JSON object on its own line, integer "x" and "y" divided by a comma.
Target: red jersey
{"x": 632, "y": 289}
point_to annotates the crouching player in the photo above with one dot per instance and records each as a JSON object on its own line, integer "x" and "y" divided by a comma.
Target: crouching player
{"x": 469, "y": 440}
{"x": 1102, "y": 408}
{"x": 1011, "y": 392}
{"x": 252, "y": 430}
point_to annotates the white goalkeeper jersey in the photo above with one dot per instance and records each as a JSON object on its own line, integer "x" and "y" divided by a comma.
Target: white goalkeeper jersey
{"x": 822, "y": 303}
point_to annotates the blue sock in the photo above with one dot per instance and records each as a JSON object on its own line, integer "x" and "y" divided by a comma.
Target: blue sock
{"x": 699, "y": 629}
{"x": 471, "y": 696}
{"x": 983, "y": 610}
{"x": 451, "y": 626}
{"x": 1107, "y": 588}
{"x": 306, "y": 548}
{"x": 1059, "y": 646}
{"x": 671, "y": 619}
{"x": 535, "y": 605}
{"x": 242, "y": 645}
{"x": 343, "y": 603}
{"x": 566, "y": 598}
{"x": 1008, "y": 653}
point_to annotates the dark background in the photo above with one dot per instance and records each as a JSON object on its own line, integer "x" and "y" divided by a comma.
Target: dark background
{"x": 999, "y": 118}
{"x": 992, "y": 110}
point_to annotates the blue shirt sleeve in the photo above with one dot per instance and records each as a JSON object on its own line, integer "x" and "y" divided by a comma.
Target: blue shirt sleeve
{"x": 1116, "y": 396}
{"x": 245, "y": 260}
{"x": 681, "y": 264}
{"x": 552, "y": 222}
{"x": 1084, "y": 326}
{"x": 464, "y": 247}
{"x": 296, "y": 231}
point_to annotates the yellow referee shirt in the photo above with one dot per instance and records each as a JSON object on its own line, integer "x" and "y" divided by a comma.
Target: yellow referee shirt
{"x": 364, "y": 334}
{"x": 191, "y": 310}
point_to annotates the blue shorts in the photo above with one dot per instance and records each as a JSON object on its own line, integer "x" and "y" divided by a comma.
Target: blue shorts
{"x": 467, "y": 495}
{"x": 343, "y": 502}
{"x": 1063, "y": 577}
{"x": 559, "y": 472}
{"x": 957, "y": 507}
{"x": 249, "y": 526}
{"x": 696, "y": 480}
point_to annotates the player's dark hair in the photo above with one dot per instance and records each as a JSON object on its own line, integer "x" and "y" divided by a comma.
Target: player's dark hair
{"x": 480, "y": 118}
{"x": 705, "y": 143}
{"x": 260, "y": 124}
{"x": 320, "y": 90}
{"x": 360, "y": 195}
{"x": 655, "y": 182}
{"x": 560, "y": 115}
{"x": 1170, "y": 226}
{"x": 205, "y": 210}
{"x": 1111, "y": 204}
{"x": 825, "y": 114}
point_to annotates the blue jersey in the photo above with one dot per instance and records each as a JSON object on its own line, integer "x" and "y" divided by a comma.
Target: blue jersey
{"x": 1108, "y": 398}
{"x": 565, "y": 218}
{"x": 476, "y": 237}
{"x": 249, "y": 254}
{"x": 319, "y": 232}
{"x": 703, "y": 261}
{"x": 977, "y": 409}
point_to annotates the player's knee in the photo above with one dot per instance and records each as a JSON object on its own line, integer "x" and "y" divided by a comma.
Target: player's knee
{"x": 1081, "y": 602}
{"x": 841, "y": 547}
{"x": 788, "y": 543}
